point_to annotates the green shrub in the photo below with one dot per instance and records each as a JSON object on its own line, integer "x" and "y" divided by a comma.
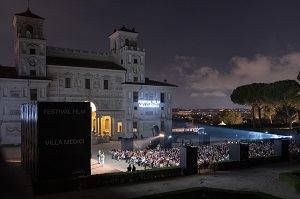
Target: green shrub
{"x": 256, "y": 161}
{"x": 125, "y": 177}
{"x": 293, "y": 178}
{"x": 294, "y": 155}
{"x": 224, "y": 165}
{"x": 85, "y": 182}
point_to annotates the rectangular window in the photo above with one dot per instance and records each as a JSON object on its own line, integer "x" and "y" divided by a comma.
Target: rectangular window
{"x": 68, "y": 82}
{"x": 5, "y": 92}
{"x": 87, "y": 84}
{"x": 15, "y": 94}
{"x": 105, "y": 83}
{"x": 135, "y": 61}
{"x": 33, "y": 94}
{"x": 42, "y": 93}
{"x": 135, "y": 79}
{"x": 135, "y": 96}
{"x": 162, "y": 108}
{"x": 149, "y": 96}
{"x": 121, "y": 61}
{"x": 32, "y": 72}
{"x": 135, "y": 108}
{"x": 162, "y": 97}
{"x": 119, "y": 127}
{"x": 149, "y": 113}
{"x": 134, "y": 127}
{"x": 25, "y": 92}
{"x": 32, "y": 51}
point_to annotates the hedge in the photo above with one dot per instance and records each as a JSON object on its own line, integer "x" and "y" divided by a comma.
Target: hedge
{"x": 85, "y": 182}
{"x": 293, "y": 178}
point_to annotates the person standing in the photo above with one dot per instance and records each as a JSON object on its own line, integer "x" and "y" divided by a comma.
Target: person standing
{"x": 102, "y": 156}
{"x": 129, "y": 168}
{"x": 99, "y": 154}
{"x": 133, "y": 168}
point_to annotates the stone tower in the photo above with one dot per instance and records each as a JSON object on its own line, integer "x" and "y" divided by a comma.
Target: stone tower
{"x": 124, "y": 47}
{"x": 29, "y": 45}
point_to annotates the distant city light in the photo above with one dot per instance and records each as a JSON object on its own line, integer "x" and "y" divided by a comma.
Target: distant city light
{"x": 161, "y": 135}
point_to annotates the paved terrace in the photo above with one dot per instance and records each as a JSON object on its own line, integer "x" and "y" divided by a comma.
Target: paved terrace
{"x": 15, "y": 182}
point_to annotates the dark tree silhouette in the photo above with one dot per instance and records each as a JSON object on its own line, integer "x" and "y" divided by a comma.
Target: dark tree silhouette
{"x": 249, "y": 95}
{"x": 284, "y": 93}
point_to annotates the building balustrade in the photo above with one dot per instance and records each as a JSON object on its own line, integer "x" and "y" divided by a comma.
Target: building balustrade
{"x": 74, "y": 51}
{"x": 131, "y": 48}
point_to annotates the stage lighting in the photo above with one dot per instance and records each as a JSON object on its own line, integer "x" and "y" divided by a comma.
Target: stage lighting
{"x": 161, "y": 135}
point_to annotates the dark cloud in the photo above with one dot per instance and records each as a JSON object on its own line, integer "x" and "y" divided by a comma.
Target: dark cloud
{"x": 207, "y": 82}
{"x": 206, "y": 47}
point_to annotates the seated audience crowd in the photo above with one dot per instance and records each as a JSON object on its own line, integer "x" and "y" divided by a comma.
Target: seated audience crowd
{"x": 164, "y": 157}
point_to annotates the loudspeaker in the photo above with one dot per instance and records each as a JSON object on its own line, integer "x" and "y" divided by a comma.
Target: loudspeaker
{"x": 281, "y": 148}
{"x": 239, "y": 152}
{"x": 188, "y": 160}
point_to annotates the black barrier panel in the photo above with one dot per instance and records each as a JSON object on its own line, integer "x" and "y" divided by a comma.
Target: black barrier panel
{"x": 65, "y": 139}
{"x": 239, "y": 152}
{"x": 127, "y": 144}
{"x": 61, "y": 139}
{"x": 234, "y": 152}
{"x": 188, "y": 160}
{"x": 281, "y": 148}
{"x": 244, "y": 156}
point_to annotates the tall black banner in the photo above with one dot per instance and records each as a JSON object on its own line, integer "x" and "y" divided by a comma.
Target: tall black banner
{"x": 62, "y": 137}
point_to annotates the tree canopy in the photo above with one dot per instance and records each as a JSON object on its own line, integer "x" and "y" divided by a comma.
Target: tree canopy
{"x": 279, "y": 95}
{"x": 249, "y": 95}
{"x": 284, "y": 93}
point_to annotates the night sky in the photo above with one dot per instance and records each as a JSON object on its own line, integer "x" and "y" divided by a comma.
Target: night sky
{"x": 206, "y": 47}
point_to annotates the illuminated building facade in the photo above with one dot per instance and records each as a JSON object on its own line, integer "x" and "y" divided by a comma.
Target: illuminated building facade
{"x": 125, "y": 103}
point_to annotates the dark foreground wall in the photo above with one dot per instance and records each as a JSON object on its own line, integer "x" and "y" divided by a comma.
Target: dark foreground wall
{"x": 56, "y": 139}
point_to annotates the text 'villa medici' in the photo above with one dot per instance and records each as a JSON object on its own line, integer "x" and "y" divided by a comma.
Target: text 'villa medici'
{"x": 64, "y": 142}
{"x": 64, "y": 111}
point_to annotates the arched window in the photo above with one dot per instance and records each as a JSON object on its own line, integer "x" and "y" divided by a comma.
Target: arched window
{"x": 29, "y": 31}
